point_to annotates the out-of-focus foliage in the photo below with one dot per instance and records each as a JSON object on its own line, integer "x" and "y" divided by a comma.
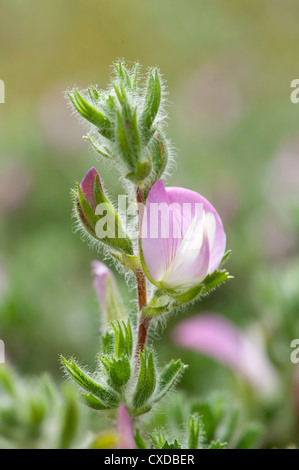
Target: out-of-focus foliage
{"x": 229, "y": 66}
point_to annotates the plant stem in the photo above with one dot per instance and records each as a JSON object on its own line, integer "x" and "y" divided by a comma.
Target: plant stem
{"x": 141, "y": 284}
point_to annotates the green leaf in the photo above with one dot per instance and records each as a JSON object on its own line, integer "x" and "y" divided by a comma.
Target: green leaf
{"x": 168, "y": 377}
{"x": 101, "y": 151}
{"x": 159, "y": 154}
{"x": 174, "y": 445}
{"x": 226, "y": 256}
{"x": 146, "y": 380}
{"x": 151, "y": 104}
{"x": 217, "y": 445}
{"x": 93, "y": 402}
{"x": 249, "y": 436}
{"x": 123, "y": 74}
{"x": 139, "y": 441}
{"x": 91, "y": 114}
{"x": 118, "y": 370}
{"x": 124, "y": 143}
{"x": 70, "y": 419}
{"x": 104, "y": 393}
{"x": 108, "y": 343}
{"x": 94, "y": 95}
{"x": 123, "y": 340}
{"x": 194, "y": 427}
{"x": 160, "y": 441}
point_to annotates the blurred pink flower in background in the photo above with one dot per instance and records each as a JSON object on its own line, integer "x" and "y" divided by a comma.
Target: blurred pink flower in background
{"x": 211, "y": 100}
{"x": 283, "y": 172}
{"x": 15, "y": 183}
{"x": 214, "y": 336}
{"x": 124, "y": 429}
{"x": 60, "y": 129}
{"x": 188, "y": 244}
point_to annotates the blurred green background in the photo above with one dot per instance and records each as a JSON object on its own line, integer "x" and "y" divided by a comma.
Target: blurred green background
{"x": 228, "y": 66}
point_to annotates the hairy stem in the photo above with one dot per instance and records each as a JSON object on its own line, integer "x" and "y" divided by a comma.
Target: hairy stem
{"x": 141, "y": 284}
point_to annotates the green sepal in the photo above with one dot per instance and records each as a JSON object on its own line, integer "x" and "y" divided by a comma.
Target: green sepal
{"x": 118, "y": 239}
{"x": 167, "y": 379}
{"x": 108, "y": 396}
{"x": 91, "y": 114}
{"x": 159, "y": 304}
{"x": 89, "y": 214}
{"x": 214, "y": 280}
{"x": 143, "y": 170}
{"x": 146, "y": 379}
{"x": 187, "y": 295}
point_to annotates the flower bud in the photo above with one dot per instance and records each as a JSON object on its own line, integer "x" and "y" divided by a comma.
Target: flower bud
{"x": 98, "y": 216}
{"x": 108, "y": 295}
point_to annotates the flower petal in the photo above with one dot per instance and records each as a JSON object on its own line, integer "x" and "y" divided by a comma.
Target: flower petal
{"x": 191, "y": 262}
{"x": 159, "y": 225}
{"x": 216, "y": 235}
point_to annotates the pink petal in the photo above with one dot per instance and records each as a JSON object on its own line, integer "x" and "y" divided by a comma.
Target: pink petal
{"x": 192, "y": 258}
{"x": 158, "y": 248}
{"x": 125, "y": 429}
{"x": 181, "y": 196}
{"x": 216, "y": 337}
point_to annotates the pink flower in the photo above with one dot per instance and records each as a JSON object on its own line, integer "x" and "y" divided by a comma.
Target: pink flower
{"x": 182, "y": 237}
{"x": 125, "y": 429}
{"x": 216, "y": 337}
